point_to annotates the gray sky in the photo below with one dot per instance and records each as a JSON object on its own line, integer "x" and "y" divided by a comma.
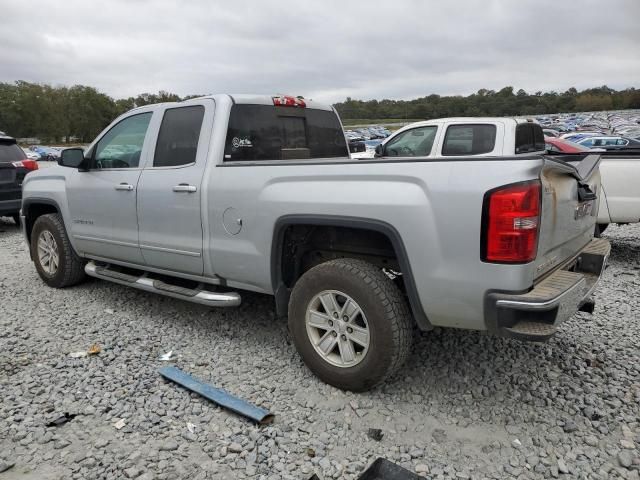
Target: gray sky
{"x": 323, "y": 49}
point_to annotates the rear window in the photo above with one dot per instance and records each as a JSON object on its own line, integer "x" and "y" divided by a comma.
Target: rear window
{"x": 263, "y": 132}
{"x": 469, "y": 139}
{"x": 529, "y": 138}
{"x": 10, "y": 152}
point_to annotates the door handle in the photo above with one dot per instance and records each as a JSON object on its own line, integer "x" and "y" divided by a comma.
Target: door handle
{"x": 124, "y": 186}
{"x": 184, "y": 187}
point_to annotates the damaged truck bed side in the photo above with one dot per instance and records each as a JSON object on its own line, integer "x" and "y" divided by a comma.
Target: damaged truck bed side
{"x": 456, "y": 223}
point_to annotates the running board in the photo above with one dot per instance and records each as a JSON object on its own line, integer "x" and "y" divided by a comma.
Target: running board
{"x": 203, "y": 297}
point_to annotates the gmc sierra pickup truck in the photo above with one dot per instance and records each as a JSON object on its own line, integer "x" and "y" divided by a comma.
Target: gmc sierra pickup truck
{"x": 459, "y": 223}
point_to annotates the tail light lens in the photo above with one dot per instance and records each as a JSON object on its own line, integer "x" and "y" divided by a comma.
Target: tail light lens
{"x": 28, "y": 164}
{"x": 511, "y": 223}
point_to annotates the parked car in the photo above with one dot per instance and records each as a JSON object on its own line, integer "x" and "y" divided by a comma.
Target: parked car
{"x": 458, "y": 223}
{"x": 47, "y": 153}
{"x": 560, "y": 145}
{"x": 31, "y": 155}
{"x": 14, "y": 165}
{"x": 609, "y": 142}
{"x": 550, "y": 133}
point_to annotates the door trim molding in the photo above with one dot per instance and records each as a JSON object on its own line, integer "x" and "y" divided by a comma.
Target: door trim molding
{"x": 171, "y": 250}
{"x": 105, "y": 240}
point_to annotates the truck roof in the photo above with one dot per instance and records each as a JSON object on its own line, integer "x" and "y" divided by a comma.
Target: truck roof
{"x": 253, "y": 99}
{"x": 515, "y": 120}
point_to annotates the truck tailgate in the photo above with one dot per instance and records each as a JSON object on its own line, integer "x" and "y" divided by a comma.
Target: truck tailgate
{"x": 569, "y": 209}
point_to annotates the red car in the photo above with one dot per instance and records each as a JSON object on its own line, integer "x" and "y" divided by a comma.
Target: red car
{"x": 560, "y": 145}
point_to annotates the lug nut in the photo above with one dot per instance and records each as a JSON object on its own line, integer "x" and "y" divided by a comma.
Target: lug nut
{"x": 334, "y": 334}
{"x": 350, "y": 330}
{"x": 335, "y": 314}
{"x": 331, "y": 323}
{"x": 343, "y": 337}
{"x": 345, "y": 318}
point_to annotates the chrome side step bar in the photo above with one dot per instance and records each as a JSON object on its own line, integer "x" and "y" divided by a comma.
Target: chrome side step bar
{"x": 203, "y": 297}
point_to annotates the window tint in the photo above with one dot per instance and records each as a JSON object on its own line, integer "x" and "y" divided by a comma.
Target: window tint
{"x": 122, "y": 145}
{"x": 529, "y": 138}
{"x": 469, "y": 139}
{"x": 10, "y": 152}
{"x": 263, "y": 132}
{"x": 178, "y": 137}
{"x": 416, "y": 142}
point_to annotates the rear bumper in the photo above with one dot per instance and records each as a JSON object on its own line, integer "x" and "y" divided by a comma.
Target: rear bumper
{"x": 536, "y": 314}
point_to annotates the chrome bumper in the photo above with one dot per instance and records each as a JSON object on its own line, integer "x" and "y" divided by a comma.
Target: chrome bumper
{"x": 536, "y": 314}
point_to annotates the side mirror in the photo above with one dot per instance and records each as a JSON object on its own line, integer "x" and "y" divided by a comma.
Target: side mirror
{"x": 379, "y": 150}
{"x": 71, "y": 157}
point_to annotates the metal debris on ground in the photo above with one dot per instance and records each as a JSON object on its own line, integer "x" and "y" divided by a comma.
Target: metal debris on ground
{"x": 217, "y": 395}
{"x": 191, "y": 427}
{"x": 61, "y": 420}
{"x": 119, "y": 424}
{"x": 166, "y": 357}
{"x": 375, "y": 434}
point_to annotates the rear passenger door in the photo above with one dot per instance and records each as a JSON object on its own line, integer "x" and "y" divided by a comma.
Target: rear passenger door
{"x": 170, "y": 190}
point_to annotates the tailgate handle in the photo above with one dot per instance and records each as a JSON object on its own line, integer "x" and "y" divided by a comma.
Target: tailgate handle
{"x": 585, "y": 193}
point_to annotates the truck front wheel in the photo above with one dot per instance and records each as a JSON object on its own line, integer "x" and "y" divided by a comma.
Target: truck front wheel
{"x": 350, "y": 323}
{"x": 56, "y": 262}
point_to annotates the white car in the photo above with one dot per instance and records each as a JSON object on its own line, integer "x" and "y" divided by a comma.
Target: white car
{"x": 31, "y": 155}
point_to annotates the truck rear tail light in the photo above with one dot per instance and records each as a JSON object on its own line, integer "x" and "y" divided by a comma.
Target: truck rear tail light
{"x": 28, "y": 164}
{"x": 288, "y": 101}
{"x": 511, "y": 221}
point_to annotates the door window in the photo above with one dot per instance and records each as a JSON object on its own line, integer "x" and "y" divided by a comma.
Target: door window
{"x": 469, "y": 139}
{"x": 179, "y": 135}
{"x": 121, "y": 146}
{"x": 416, "y": 142}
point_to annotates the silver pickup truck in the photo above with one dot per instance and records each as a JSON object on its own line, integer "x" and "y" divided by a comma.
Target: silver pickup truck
{"x": 458, "y": 223}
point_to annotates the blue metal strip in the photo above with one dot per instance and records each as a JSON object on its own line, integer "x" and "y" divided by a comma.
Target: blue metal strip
{"x": 217, "y": 395}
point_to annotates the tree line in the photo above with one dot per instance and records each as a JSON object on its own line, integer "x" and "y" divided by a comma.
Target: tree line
{"x": 79, "y": 113}
{"x": 493, "y": 104}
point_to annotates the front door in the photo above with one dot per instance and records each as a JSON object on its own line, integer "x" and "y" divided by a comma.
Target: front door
{"x": 170, "y": 190}
{"x": 102, "y": 200}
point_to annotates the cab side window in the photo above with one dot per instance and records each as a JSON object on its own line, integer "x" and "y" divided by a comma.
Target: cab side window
{"x": 416, "y": 142}
{"x": 121, "y": 146}
{"x": 469, "y": 139}
{"x": 178, "y": 137}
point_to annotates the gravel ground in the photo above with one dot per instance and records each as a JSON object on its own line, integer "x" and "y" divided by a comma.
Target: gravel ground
{"x": 467, "y": 405}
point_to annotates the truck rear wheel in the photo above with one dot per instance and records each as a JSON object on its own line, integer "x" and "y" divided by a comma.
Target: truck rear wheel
{"x": 56, "y": 262}
{"x": 350, "y": 323}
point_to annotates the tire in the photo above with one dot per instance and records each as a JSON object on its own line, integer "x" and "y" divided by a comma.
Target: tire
{"x": 49, "y": 230}
{"x": 385, "y": 315}
{"x": 600, "y": 228}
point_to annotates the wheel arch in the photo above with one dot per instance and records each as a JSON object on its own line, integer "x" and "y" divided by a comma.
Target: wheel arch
{"x": 282, "y": 292}
{"x": 32, "y": 208}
